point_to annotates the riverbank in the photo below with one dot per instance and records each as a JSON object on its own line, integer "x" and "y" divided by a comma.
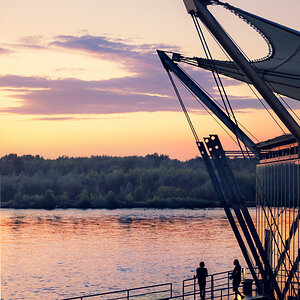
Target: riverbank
{"x": 153, "y": 181}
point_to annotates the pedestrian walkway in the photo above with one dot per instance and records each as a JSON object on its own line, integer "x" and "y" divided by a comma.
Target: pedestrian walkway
{"x": 219, "y": 287}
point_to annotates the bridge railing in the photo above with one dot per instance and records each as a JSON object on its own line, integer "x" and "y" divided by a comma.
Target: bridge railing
{"x": 218, "y": 286}
{"x": 151, "y": 292}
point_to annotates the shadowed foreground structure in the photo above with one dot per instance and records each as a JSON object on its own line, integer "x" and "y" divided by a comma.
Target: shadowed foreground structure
{"x": 271, "y": 248}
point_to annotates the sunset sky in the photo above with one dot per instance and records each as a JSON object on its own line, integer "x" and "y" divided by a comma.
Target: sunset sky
{"x": 82, "y": 77}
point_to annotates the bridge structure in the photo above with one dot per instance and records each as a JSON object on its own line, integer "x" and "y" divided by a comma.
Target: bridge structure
{"x": 271, "y": 244}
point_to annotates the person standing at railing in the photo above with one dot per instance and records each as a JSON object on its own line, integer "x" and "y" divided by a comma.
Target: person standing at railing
{"x": 236, "y": 278}
{"x": 201, "y": 274}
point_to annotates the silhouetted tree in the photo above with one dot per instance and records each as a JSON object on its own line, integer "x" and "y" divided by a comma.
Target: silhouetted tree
{"x": 111, "y": 182}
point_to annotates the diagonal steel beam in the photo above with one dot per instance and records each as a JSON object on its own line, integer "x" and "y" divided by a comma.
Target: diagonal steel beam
{"x": 291, "y": 275}
{"x": 241, "y": 211}
{"x": 287, "y": 244}
{"x": 231, "y": 200}
{"x": 198, "y": 8}
{"x": 228, "y": 213}
{"x": 169, "y": 65}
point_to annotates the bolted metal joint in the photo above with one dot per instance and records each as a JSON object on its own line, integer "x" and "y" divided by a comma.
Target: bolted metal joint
{"x": 214, "y": 146}
{"x": 176, "y": 57}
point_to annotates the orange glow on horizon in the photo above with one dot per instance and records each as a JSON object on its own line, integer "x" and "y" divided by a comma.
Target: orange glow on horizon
{"x": 121, "y": 134}
{"x": 106, "y": 71}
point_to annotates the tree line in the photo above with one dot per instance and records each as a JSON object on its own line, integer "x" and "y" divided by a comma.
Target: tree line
{"x": 154, "y": 181}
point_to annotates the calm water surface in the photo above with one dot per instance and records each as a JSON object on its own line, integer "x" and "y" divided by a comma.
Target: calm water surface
{"x": 61, "y": 253}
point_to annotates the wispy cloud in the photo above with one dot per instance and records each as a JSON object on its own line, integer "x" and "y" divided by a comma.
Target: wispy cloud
{"x": 71, "y": 96}
{"x": 76, "y": 118}
{"x": 57, "y": 119}
{"x": 135, "y": 58}
{"x": 5, "y": 51}
{"x": 147, "y": 90}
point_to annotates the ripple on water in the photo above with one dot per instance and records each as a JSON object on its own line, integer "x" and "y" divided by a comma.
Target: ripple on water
{"x": 60, "y": 253}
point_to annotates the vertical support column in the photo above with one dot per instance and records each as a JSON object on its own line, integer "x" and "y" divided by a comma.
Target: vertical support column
{"x": 194, "y": 288}
{"x": 228, "y": 284}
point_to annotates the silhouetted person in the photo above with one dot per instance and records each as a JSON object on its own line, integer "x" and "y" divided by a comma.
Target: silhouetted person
{"x": 201, "y": 275}
{"x": 236, "y": 278}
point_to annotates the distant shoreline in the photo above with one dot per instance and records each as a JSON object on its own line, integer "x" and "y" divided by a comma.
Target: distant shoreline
{"x": 153, "y": 181}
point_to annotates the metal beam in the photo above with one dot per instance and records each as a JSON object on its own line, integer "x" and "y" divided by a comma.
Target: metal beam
{"x": 169, "y": 65}
{"x": 228, "y": 213}
{"x": 218, "y": 32}
{"x": 233, "y": 202}
{"x": 242, "y": 213}
{"x": 291, "y": 275}
{"x": 287, "y": 244}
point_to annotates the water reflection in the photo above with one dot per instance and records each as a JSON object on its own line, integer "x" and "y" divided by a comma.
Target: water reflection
{"x": 54, "y": 254}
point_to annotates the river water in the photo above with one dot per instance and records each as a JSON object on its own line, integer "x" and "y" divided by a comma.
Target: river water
{"x": 64, "y": 253}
